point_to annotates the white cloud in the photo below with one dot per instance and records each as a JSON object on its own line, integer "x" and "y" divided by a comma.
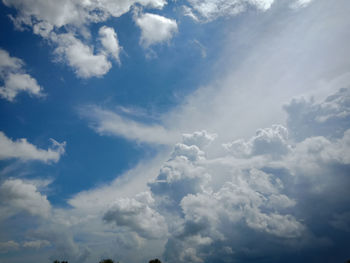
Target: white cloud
{"x": 200, "y": 139}
{"x": 212, "y": 9}
{"x": 111, "y": 123}
{"x": 73, "y": 12}
{"x": 18, "y": 196}
{"x": 271, "y": 141}
{"x": 109, "y": 40}
{"x": 46, "y": 18}
{"x": 328, "y": 118}
{"x": 138, "y": 215}
{"x": 24, "y": 150}
{"x": 81, "y": 57}
{"x": 14, "y": 78}
{"x": 155, "y": 29}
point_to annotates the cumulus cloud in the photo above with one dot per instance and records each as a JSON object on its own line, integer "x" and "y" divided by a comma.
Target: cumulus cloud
{"x": 81, "y": 57}
{"x": 209, "y": 10}
{"x": 23, "y": 150}
{"x": 203, "y": 207}
{"x": 329, "y": 118}
{"x": 72, "y": 12}
{"x": 138, "y": 215}
{"x": 271, "y": 141}
{"x": 18, "y": 196}
{"x": 15, "y": 79}
{"x": 212, "y": 9}
{"x": 47, "y": 18}
{"x": 109, "y": 40}
{"x": 155, "y": 29}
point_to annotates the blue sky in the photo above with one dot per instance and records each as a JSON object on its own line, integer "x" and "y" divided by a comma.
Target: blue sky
{"x": 191, "y": 131}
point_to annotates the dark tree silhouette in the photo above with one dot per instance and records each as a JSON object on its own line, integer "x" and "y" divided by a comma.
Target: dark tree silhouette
{"x": 155, "y": 261}
{"x": 107, "y": 261}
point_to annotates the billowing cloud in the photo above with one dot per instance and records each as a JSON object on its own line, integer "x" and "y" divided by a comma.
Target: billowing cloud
{"x": 15, "y": 79}
{"x": 138, "y": 215}
{"x": 203, "y": 207}
{"x": 47, "y": 18}
{"x": 212, "y": 9}
{"x": 209, "y": 10}
{"x": 155, "y": 29}
{"x": 330, "y": 118}
{"x": 72, "y": 12}
{"x": 18, "y": 196}
{"x": 272, "y": 141}
{"x": 81, "y": 57}
{"x": 23, "y": 150}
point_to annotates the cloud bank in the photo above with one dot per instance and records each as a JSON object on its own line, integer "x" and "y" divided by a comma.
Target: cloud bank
{"x": 276, "y": 187}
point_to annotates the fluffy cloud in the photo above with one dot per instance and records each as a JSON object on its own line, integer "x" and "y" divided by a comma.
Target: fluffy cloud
{"x": 47, "y": 18}
{"x": 81, "y": 57}
{"x": 211, "y": 9}
{"x": 14, "y": 78}
{"x": 270, "y": 141}
{"x": 138, "y": 215}
{"x": 73, "y": 12}
{"x": 155, "y": 29}
{"x": 329, "y": 118}
{"x": 24, "y": 150}
{"x": 18, "y": 196}
{"x": 109, "y": 41}
{"x": 201, "y": 207}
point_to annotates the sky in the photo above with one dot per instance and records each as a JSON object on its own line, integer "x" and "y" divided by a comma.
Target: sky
{"x": 211, "y": 131}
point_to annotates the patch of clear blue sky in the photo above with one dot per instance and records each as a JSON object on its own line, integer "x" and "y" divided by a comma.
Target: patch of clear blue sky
{"x": 154, "y": 85}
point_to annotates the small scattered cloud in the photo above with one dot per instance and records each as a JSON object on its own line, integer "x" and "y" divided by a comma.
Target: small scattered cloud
{"x": 47, "y": 18}
{"x": 23, "y": 150}
{"x": 81, "y": 57}
{"x": 15, "y": 79}
{"x": 109, "y": 41}
{"x": 155, "y": 29}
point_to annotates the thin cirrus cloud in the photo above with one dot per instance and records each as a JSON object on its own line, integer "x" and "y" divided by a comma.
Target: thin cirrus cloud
{"x": 111, "y": 123}
{"x": 15, "y": 79}
{"x": 24, "y": 150}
